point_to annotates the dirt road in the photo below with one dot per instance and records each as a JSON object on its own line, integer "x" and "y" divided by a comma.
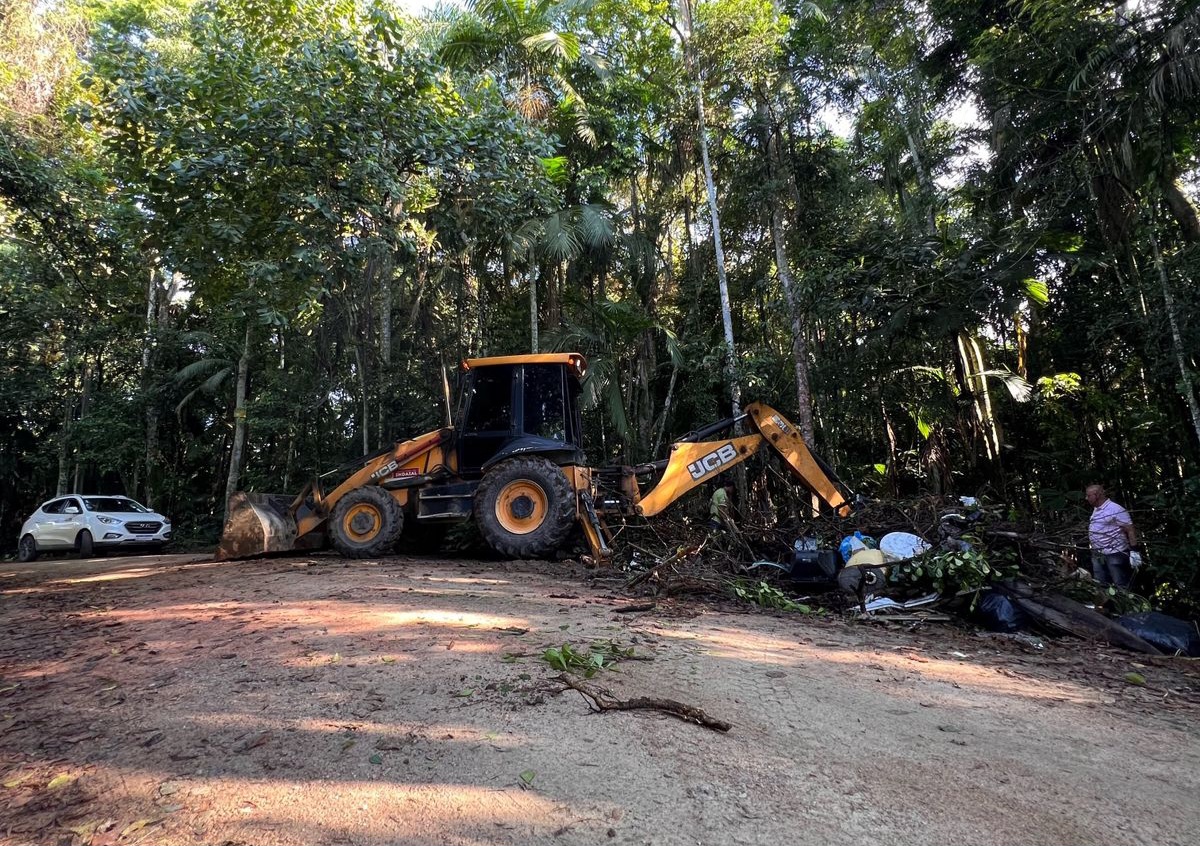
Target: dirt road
{"x": 312, "y": 700}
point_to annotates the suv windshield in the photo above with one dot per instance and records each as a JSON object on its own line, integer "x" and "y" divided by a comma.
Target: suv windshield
{"x": 113, "y": 503}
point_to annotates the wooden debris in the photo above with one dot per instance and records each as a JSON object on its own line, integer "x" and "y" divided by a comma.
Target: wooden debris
{"x": 601, "y": 699}
{"x": 633, "y": 609}
{"x": 1074, "y": 618}
{"x": 680, "y": 554}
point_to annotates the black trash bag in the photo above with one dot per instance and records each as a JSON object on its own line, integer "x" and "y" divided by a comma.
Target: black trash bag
{"x": 1170, "y": 634}
{"x": 997, "y": 613}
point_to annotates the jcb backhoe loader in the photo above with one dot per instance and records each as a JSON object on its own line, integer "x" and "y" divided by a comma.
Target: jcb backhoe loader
{"x": 514, "y": 462}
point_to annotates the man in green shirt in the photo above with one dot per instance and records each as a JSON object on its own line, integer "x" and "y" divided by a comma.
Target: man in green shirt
{"x": 719, "y": 514}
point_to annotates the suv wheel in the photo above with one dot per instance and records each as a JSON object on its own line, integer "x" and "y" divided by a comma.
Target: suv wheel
{"x": 27, "y": 549}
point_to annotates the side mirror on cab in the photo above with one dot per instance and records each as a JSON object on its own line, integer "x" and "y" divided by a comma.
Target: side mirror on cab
{"x": 70, "y": 509}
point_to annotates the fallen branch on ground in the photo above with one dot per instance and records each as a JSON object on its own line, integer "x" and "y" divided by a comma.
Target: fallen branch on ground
{"x": 680, "y": 554}
{"x": 601, "y": 699}
{"x": 631, "y": 609}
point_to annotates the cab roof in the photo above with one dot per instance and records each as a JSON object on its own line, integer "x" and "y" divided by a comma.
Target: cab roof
{"x": 575, "y": 361}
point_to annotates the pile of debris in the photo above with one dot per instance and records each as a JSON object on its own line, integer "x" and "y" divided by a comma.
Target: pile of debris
{"x": 927, "y": 560}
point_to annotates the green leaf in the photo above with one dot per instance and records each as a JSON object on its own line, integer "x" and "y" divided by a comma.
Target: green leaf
{"x": 376, "y": 759}
{"x": 60, "y": 780}
{"x": 137, "y": 825}
{"x": 19, "y": 780}
{"x": 1037, "y": 291}
{"x": 528, "y": 776}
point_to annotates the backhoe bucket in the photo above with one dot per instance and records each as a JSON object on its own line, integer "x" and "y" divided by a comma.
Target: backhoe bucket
{"x": 255, "y": 525}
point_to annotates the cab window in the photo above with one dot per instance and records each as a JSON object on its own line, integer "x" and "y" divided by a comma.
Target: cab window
{"x": 490, "y": 402}
{"x": 544, "y": 402}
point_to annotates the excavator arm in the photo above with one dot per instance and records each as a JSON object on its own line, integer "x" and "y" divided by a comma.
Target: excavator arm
{"x": 693, "y": 463}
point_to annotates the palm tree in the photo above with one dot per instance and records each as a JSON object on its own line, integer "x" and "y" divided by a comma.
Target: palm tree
{"x": 528, "y": 47}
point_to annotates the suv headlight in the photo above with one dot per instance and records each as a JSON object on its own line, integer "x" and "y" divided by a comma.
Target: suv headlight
{"x": 109, "y": 521}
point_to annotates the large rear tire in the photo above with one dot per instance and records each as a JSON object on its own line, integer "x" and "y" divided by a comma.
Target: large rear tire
{"x": 525, "y": 508}
{"x": 27, "y": 549}
{"x": 366, "y": 522}
{"x": 86, "y": 544}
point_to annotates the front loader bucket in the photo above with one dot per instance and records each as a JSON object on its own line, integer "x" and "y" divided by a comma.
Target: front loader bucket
{"x": 255, "y": 525}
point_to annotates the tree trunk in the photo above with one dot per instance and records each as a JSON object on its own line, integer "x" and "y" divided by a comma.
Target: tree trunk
{"x": 149, "y": 460}
{"x": 922, "y": 178}
{"x": 384, "y": 376}
{"x": 1181, "y": 208}
{"x": 239, "y": 422}
{"x": 64, "y": 437}
{"x": 533, "y": 309}
{"x": 666, "y": 413}
{"x": 360, "y": 364}
{"x": 804, "y": 412}
{"x": 975, "y": 384}
{"x": 85, "y": 406}
{"x": 735, "y": 390}
{"x": 1185, "y": 374}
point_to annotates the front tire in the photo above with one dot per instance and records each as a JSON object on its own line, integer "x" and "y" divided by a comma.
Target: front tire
{"x": 366, "y": 522}
{"x": 27, "y": 549}
{"x": 86, "y": 544}
{"x": 525, "y": 508}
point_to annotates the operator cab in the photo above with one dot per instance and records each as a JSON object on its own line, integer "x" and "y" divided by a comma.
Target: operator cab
{"x": 521, "y": 405}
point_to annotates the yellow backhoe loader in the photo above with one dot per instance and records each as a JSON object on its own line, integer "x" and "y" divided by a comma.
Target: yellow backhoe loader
{"x": 514, "y": 463}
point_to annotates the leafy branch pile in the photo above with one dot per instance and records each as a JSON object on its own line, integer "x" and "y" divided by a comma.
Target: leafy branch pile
{"x": 602, "y": 655}
{"x": 957, "y": 571}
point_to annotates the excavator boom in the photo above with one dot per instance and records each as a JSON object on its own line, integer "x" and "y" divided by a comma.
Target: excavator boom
{"x": 784, "y": 438}
{"x": 693, "y": 463}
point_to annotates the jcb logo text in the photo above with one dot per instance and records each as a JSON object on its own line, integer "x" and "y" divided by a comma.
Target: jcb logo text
{"x": 384, "y": 470}
{"x": 716, "y": 459}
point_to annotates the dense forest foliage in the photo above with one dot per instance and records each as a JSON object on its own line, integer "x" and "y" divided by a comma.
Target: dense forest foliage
{"x": 957, "y": 240}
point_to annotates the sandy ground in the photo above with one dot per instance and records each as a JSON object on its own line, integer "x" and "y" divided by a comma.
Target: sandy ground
{"x": 311, "y": 700}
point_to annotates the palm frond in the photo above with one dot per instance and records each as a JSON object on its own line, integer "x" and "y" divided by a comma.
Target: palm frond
{"x": 573, "y": 105}
{"x": 213, "y": 383}
{"x": 1083, "y": 77}
{"x": 199, "y": 368}
{"x": 526, "y": 237}
{"x": 811, "y": 11}
{"x": 559, "y": 242}
{"x": 1018, "y": 388}
{"x": 1175, "y": 79}
{"x": 597, "y": 64}
{"x": 674, "y": 350}
{"x": 595, "y": 226}
{"x": 564, "y": 46}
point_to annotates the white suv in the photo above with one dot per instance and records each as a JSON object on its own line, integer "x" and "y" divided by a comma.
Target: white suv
{"x": 86, "y": 524}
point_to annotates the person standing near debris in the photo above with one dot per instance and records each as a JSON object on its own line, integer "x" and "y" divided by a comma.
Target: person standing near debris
{"x": 1112, "y": 536}
{"x": 719, "y": 514}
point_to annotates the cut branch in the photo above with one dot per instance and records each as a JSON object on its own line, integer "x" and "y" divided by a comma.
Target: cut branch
{"x": 600, "y": 699}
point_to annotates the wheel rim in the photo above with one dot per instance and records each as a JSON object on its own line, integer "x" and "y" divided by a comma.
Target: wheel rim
{"x": 27, "y": 545}
{"x": 521, "y": 507}
{"x": 362, "y": 523}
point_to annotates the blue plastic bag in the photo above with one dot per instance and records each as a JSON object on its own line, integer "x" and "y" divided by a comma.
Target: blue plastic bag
{"x": 853, "y": 543}
{"x": 998, "y": 613}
